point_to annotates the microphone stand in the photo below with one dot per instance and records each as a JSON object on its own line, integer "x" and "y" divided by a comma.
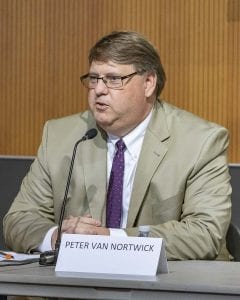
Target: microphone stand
{"x": 49, "y": 258}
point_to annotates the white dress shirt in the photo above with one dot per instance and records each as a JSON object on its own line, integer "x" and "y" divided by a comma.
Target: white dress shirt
{"x": 133, "y": 142}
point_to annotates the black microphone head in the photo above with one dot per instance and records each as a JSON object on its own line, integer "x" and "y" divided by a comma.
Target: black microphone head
{"x": 90, "y": 134}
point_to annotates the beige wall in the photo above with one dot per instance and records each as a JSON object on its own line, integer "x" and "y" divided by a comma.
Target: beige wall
{"x": 44, "y": 45}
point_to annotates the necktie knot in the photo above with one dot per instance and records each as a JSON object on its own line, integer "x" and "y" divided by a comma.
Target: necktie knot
{"x": 120, "y": 145}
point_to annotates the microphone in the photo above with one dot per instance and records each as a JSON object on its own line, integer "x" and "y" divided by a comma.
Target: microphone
{"x": 49, "y": 258}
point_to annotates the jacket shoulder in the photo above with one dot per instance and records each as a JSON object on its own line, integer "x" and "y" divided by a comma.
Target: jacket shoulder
{"x": 69, "y": 122}
{"x": 187, "y": 120}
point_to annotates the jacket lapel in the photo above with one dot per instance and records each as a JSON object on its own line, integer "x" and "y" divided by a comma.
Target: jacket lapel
{"x": 153, "y": 151}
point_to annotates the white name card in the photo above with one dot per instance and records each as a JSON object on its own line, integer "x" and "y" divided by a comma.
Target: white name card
{"x": 111, "y": 255}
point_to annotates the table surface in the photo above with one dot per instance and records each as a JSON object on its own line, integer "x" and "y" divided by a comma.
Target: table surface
{"x": 185, "y": 278}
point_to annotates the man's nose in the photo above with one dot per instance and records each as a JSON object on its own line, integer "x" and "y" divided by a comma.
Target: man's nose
{"x": 101, "y": 87}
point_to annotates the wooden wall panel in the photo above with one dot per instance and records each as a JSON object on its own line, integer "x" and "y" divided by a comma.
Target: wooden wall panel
{"x": 44, "y": 46}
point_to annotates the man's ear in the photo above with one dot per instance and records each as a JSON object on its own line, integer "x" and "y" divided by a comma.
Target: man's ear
{"x": 150, "y": 84}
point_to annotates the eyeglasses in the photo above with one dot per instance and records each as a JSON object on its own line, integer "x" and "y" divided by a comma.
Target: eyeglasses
{"x": 90, "y": 81}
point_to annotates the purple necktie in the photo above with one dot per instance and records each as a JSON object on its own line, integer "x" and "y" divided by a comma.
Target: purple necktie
{"x": 115, "y": 188}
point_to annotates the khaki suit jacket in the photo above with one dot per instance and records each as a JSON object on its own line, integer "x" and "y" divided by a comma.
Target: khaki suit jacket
{"x": 181, "y": 186}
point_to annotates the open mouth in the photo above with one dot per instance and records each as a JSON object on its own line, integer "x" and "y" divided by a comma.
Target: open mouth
{"x": 101, "y": 106}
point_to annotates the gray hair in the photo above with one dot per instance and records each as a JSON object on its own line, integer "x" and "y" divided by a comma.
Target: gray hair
{"x": 130, "y": 48}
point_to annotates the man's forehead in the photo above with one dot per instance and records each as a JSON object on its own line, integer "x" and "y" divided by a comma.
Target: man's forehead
{"x": 110, "y": 65}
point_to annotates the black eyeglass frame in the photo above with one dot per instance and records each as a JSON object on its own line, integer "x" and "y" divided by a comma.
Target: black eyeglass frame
{"x": 85, "y": 76}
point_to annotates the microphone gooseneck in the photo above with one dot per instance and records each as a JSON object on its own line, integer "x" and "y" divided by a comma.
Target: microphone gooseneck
{"x": 50, "y": 257}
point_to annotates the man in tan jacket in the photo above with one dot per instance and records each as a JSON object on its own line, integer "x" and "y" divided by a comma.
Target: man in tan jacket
{"x": 175, "y": 166}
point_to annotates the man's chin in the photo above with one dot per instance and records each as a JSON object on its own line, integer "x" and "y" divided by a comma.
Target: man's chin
{"x": 103, "y": 122}
{"x": 109, "y": 127}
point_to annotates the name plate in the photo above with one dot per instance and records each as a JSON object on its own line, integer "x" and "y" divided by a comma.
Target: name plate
{"x": 111, "y": 255}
